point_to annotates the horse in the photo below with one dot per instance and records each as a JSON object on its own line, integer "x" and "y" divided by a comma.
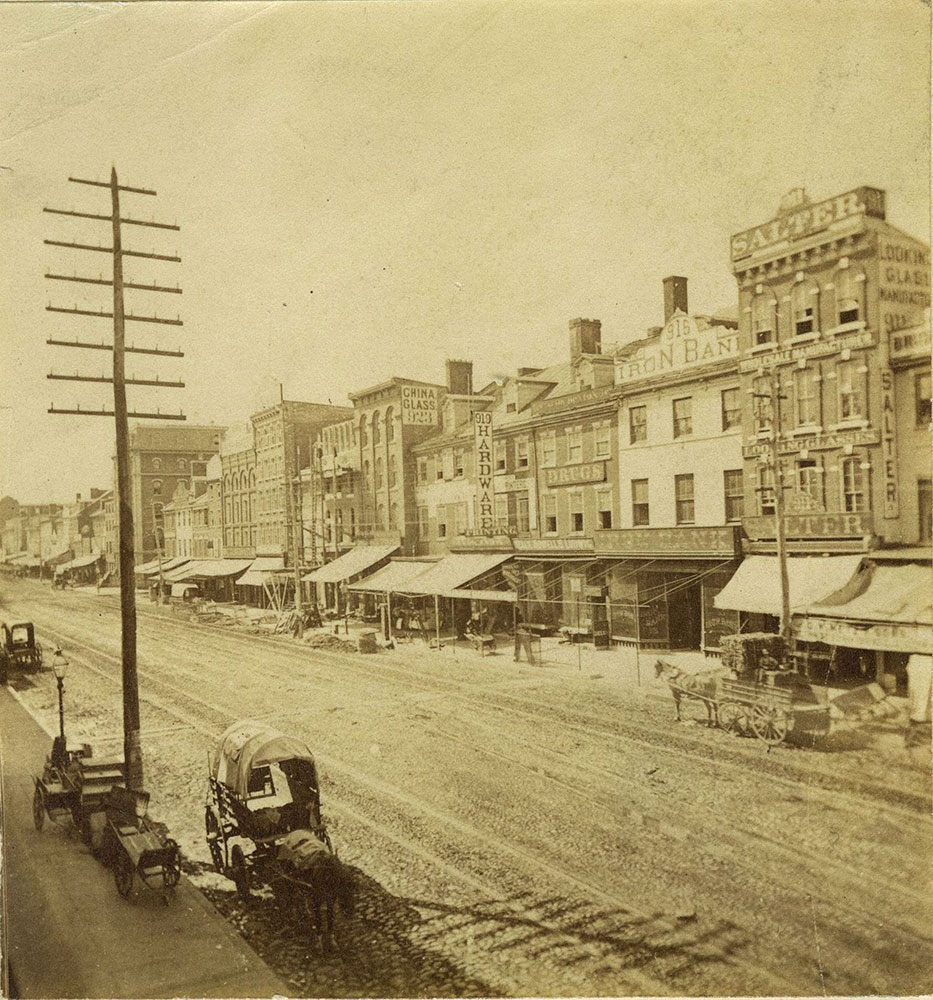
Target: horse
{"x": 703, "y": 686}
{"x": 312, "y": 882}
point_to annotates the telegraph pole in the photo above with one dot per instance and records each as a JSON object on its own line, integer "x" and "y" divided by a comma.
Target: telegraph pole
{"x": 773, "y": 398}
{"x": 288, "y": 482}
{"x": 132, "y": 748}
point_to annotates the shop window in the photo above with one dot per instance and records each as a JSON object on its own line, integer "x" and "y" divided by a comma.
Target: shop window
{"x": 548, "y": 449}
{"x": 854, "y": 492}
{"x": 806, "y": 397}
{"x": 521, "y": 453}
{"x": 764, "y": 319}
{"x": 683, "y": 416}
{"x": 734, "y": 494}
{"x": 683, "y": 498}
{"x": 498, "y": 450}
{"x": 731, "y": 410}
{"x": 925, "y": 508}
{"x": 922, "y": 398}
{"x": 640, "y": 511}
{"x": 637, "y": 424}
{"x": 809, "y": 474}
{"x": 550, "y": 515}
{"x": 804, "y": 300}
{"x": 521, "y": 511}
{"x": 602, "y": 435}
{"x": 761, "y": 404}
{"x": 576, "y": 513}
{"x": 574, "y": 445}
{"x": 850, "y": 378}
{"x": 604, "y": 508}
{"x": 848, "y": 288}
{"x": 765, "y": 490}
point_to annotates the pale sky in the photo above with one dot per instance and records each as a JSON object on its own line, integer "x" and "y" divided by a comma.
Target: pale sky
{"x": 366, "y": 189}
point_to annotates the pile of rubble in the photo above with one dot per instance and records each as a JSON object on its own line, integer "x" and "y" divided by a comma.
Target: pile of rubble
{"x": 327, "y": 640}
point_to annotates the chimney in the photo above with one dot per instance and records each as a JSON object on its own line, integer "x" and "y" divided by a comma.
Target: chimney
{"x": 460, "y": 377}
{"x": 675, "y": 296}
{"x": 584, "y": 337}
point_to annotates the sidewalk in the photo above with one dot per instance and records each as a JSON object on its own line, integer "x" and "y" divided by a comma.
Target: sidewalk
{"x": 68, "y": 932}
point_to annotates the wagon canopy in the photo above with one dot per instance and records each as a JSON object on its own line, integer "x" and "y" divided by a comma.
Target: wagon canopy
{"x": 246, "y": 745}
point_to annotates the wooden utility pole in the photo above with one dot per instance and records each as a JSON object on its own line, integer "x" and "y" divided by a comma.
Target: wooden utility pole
{"x": 288, "y": 482}
{"x": 132, "y": 748}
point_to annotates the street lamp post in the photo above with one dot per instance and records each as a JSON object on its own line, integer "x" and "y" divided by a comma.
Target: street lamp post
{"x": 59, "y": 666}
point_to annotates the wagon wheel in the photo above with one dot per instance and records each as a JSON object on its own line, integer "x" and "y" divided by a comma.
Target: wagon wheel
{"x": 171, "y": 870}
{"x": 240, "y": 872}
{"x": 770, "y": 723}
{"x": 212, "y": 828}
{"x": 123, "y": 873}
{"x": 733, "y": 718}
{"x": 38, "y": 808}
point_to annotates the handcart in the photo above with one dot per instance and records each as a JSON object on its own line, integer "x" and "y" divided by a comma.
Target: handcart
{"x": 131, "y": 846}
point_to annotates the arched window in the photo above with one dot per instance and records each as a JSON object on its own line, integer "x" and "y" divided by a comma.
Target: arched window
{"x": 378, "y": 473}
{"x": 157, "y": 487}
{"x": 390, "y": 425}
{"x": 764, "y": 318}
{"x": 393, "y": 516}
{"x": 849, "y": 287}
{"x": 381, "y": 516}
{"x": 181, "y": 464}
{"x": 363, "y": 441}
{"x": 377, "y": 435}
{"x": 157, "y": 465}
{"x": 804, "y": 305}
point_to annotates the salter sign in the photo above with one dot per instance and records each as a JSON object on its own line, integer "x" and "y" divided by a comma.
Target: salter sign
{"x": 799, "y": 218}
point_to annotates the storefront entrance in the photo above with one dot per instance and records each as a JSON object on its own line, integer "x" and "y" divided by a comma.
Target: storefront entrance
{"x": 683, "y": 608}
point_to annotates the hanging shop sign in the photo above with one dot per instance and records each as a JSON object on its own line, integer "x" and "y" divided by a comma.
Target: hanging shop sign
{"x": 799, "y": 218}
{"x": 683, "y": 343}
{"x": 888, "y": 446}
{"x": 512, "y": 483}
{"x": 485, "y": 481}
{"x": 716, "y": 541}
{"x": 419, "y": 405}
{"x": 571, "y": 475}
{"x": 819, "y": 349}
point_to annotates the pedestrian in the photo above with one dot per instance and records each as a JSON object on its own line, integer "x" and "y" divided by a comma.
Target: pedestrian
{"x": 522, "y": 640}
{"x": 919, "y": 734}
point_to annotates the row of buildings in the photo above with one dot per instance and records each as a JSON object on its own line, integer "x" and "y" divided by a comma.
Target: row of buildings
{"x": 626, "y": 493}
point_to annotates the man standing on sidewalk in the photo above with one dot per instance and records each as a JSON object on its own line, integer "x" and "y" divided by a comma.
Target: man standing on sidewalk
{"x": 522, "y": 639}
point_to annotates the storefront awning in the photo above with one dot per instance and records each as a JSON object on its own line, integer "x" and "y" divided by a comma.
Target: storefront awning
{"x": 17, "y": 560}
{"x": 397, "y": 575}
{"x": 351, "y": 564}
{"x": 894, "y": 613}
{"x": 756, "y": 584}
{"x": 455, "y": 571}
{"x": 199, "y": 569}
{"x": 259, "y": 568}
{"x": 64, "y": 556}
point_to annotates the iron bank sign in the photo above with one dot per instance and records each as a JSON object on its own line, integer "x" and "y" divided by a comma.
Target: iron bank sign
{"x": 681, "y": 344}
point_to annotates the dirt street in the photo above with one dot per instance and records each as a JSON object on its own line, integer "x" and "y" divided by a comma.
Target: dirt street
{"x": 520, "y": 830}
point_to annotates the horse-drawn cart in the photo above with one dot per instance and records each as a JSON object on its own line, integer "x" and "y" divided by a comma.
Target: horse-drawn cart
{"x": 263, "y": 821}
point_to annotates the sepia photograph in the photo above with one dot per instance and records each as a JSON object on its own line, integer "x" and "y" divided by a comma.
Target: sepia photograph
{"x": 466, "y": 499}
